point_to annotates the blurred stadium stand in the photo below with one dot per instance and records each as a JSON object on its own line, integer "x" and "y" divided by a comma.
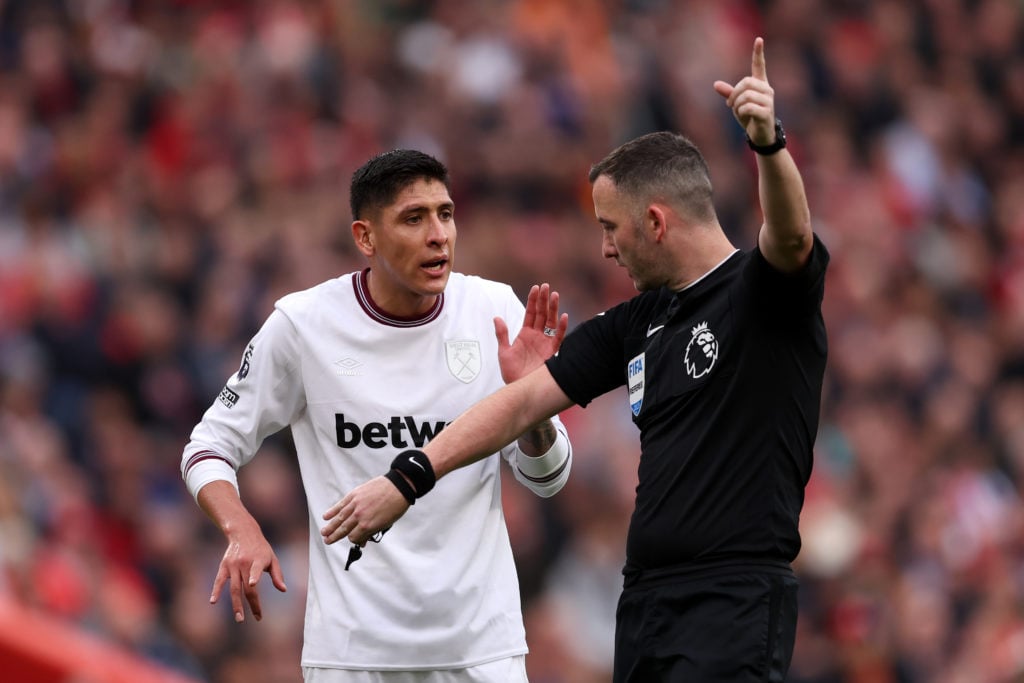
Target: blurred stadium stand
{"x": 36, "y": 648}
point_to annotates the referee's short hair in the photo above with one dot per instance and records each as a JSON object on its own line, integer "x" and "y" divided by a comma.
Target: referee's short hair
{"x": 377, "y": 182}
{"x": 662, "y": 166}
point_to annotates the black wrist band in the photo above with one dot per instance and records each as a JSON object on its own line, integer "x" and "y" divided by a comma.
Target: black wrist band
{"x": 416, "y": 465}
{"x": 768, "y": 150}
{"x": 402, "y": 485}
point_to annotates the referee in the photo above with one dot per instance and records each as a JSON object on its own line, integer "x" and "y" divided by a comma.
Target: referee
{"x": 722, "y": 355}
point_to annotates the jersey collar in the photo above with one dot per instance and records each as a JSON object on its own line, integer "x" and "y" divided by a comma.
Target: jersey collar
{"x": 705, "y": 275}
{"x": 360, "y": 283}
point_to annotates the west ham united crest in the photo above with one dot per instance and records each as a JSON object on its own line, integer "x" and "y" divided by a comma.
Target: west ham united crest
{"x": 463, "y": 359}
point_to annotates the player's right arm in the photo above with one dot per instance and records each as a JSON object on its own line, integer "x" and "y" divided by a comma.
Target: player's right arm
{"x": 262, "y": 397}
{"x": 248, "y": 553}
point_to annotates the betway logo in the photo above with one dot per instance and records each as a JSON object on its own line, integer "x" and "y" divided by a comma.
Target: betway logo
{"x": 385, "y": 435}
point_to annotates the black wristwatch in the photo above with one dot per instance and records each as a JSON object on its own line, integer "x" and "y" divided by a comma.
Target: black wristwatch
{"x": 768, "y": 150}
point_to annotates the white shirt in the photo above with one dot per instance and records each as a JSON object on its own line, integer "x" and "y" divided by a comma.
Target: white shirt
{"x": 357, "y": 387}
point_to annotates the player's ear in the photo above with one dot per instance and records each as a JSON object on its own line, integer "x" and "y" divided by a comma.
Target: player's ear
{"x": 362, "y": 233}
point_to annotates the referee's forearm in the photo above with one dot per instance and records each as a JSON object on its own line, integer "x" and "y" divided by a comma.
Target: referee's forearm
{"x": 496, "y": 421}
{"x": 483, "y": 429}
{"x": 786, "y": 236}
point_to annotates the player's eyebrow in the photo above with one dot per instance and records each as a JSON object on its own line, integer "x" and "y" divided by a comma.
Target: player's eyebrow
{"x": 420, "y": 207}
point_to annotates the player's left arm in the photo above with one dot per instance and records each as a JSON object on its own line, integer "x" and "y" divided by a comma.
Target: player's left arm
{"x": 544, "y": 455}
{"x": 785, "y": 238}
{"x": 475, "y": 434}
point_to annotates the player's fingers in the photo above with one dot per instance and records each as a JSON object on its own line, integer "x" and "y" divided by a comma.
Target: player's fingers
{"x": 333, "y": 532}
{"x": 333, "y": 510}
{"x": 359, "y": 536}
{"x": 722, "y": 88}
{"x": 235, "y": 589}
{"x": 277, "y": 576}
{"x": 501, "y": 332}
{"x": 562, "y": 328}
{"x": 335, "y": 518}
{"x": 531, "y": 306}
{"x": 336, "y": 509}
{"x": 551, "y": 319}
{"x": 757, "y": 66}
{"x": 339, "y": 527}
{"x": 218, "y": 583}
{"x": 252, "y": 594}
{"x": 543, "y": 302}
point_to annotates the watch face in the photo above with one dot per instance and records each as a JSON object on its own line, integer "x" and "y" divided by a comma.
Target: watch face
{"x": 780, "y": 133}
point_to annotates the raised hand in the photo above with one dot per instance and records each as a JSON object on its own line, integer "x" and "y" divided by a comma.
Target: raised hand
{"x": 542, "y": 333}
{"x": 752, "y": 100}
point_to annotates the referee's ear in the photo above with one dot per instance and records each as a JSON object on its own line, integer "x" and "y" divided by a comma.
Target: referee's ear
{"x": 363, "y": 236}
{"x": 656, "y": 222}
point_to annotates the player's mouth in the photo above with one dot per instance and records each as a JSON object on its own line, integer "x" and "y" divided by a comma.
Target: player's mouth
{"x": 436, "y": 266}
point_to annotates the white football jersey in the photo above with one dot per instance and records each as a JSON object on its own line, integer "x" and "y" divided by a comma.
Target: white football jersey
{"x": 357, "y": 387}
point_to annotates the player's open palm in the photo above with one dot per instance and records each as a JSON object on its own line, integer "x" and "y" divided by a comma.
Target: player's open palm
{"x": 539, "y": 338}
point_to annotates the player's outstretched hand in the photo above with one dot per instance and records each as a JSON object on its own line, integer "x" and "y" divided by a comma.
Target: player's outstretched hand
{"x": 248, "y": 555}
{"x": 752, "y": 100}
{"x": 540, "y": 337}
{"x": 370, "y": 507}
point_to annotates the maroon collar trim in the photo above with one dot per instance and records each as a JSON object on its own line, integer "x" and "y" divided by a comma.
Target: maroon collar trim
{"x": 361, "y": 286}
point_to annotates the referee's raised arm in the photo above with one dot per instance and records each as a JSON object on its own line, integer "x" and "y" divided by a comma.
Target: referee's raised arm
{"x": 785, "y": 237}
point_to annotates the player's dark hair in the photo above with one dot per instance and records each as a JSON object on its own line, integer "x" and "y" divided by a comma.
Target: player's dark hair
{"x": 661, "y": 166}
{"x": 377, "y": 182}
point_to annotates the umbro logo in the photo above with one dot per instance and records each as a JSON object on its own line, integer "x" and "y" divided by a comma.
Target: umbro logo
{"x": 348, "y": 367}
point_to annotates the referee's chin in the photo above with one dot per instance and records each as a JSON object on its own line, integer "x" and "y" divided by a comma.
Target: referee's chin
{"x": 643, "y": 285}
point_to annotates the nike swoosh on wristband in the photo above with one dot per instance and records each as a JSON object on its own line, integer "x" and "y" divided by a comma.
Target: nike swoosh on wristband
{"x": 652, "y": 330}
{"x": 413, "y": 461}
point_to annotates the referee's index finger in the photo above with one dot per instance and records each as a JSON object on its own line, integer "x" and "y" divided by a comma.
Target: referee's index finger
{"x": 757, "y": 66}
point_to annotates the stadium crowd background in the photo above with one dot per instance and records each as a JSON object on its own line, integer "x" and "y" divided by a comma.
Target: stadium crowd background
{"x": 169, "y": 168}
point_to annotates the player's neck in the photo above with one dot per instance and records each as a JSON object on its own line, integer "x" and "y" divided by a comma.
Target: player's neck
{"x": 395, "y": 301}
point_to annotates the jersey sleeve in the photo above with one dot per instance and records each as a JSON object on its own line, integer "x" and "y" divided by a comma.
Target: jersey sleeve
{"x": 788, "y": 295}
{"x": 590, "y": 362}
{"x": 263, "y": 396}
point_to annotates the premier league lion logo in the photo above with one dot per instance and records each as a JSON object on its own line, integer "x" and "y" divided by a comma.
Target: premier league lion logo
{"x": 701, "y": 352}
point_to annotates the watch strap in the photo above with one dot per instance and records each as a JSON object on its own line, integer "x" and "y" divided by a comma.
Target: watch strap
{"x": 768, "y": 150}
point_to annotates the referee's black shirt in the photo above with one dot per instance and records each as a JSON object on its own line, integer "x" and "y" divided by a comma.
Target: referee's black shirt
{"x": 724, "y": 382}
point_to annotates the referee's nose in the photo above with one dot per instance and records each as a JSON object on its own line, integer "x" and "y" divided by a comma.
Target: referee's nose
{"x": 608, "y": 249}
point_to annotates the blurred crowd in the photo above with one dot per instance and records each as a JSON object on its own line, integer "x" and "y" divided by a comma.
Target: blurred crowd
{"x": 168, "y": 168}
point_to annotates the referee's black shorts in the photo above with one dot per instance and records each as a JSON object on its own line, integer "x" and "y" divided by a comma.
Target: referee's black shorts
{"x": 724, "y": 624}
